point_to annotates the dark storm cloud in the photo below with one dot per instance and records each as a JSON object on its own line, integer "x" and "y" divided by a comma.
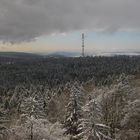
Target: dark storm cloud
{"x": 24, "y": 20}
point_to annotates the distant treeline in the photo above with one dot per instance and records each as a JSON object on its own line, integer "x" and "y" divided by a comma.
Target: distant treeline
{"x": 56, "y": 71}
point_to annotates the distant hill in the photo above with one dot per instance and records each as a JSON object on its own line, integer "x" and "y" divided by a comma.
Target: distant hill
{"x": 76, "y": 54}
{"x": 21, "y": 55}
{"x": 63, "y": 54}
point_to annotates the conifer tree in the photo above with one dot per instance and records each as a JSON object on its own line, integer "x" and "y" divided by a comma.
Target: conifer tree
{"x": 92, "y": 125}
{"x": 73, "y": 112}
{"x": 32, "y": 109}
{"x": 3, "y": 120}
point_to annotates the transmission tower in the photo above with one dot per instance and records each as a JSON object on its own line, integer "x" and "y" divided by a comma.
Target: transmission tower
{"x": 83, "y": 45}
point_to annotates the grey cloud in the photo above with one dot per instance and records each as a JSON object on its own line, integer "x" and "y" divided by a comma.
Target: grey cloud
{"x": 24, "y": 20}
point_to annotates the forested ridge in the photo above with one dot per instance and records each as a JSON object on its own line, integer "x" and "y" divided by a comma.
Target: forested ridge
{"x": 91, "y": 98}
{"x": 56, "y": 71}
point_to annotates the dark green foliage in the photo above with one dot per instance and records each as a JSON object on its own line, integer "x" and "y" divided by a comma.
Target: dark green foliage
{"x": 56, "y": 71}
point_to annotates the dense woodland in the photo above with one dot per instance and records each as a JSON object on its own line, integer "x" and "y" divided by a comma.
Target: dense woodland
{"x": 91, "y": 98}
{"x": 56, "y": 71}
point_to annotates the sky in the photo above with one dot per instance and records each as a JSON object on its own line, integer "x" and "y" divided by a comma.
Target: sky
{"x": 44, "y": 26}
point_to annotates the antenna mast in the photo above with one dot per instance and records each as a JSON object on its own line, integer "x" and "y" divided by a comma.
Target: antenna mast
{"x": 83, "y": 45}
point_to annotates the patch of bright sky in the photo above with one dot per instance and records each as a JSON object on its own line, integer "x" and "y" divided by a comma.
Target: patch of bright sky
{"x": 114, "y": 42}
{"x": 94, "y": 42}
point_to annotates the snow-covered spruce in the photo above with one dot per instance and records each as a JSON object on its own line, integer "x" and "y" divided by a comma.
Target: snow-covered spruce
{"x": 91, "y": 125}
{"x": 74, "y": 112}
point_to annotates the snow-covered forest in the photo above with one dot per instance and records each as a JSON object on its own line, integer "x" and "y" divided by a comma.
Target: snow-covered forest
{"x": 91, "y": 98}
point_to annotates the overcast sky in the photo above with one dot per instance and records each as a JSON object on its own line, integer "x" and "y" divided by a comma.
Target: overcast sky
{"x": 50, "y": 25}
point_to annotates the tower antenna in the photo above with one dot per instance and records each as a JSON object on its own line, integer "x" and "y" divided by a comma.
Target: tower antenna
{"x": 83, "y": 45}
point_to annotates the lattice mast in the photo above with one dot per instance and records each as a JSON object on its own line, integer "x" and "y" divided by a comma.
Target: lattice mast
{"x": 83, "y": 45}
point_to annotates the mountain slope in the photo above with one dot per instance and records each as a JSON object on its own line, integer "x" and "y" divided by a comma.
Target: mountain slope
{"x": 21, "y": 55}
